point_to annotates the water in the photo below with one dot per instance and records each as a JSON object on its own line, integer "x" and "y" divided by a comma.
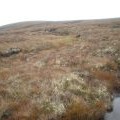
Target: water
{"x": 115, "y": 114}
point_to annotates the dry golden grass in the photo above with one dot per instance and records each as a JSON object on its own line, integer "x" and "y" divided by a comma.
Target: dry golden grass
{"x": 104, "y": 75}
{"x": 110, "y": 78}
{"x": 81, "y": 111}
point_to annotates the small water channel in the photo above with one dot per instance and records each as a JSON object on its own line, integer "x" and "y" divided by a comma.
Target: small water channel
{"x": 115, "y": 114}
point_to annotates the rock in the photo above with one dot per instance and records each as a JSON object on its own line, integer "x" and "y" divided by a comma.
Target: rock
{"x": 9, "y": 52}
{"x": 110, "y": 108}
{"x": 39, "y": 64}
{"x": 6, "y": 115}
{"x": 78, "y": 36}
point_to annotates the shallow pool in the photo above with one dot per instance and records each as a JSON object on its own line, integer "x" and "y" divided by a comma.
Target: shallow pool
{"x": 115, "y": 114}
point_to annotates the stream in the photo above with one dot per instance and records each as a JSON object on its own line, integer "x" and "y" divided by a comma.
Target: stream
{"x": 115, "y": 114}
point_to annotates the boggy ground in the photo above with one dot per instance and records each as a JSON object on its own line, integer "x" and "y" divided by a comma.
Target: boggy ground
{"x": 59, "y": 70}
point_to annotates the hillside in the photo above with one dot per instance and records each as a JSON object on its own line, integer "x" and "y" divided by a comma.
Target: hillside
{"x": 59, "y": 70}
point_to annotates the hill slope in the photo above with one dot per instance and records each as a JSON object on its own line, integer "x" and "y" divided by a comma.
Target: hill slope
{"x": 59, "y": 70}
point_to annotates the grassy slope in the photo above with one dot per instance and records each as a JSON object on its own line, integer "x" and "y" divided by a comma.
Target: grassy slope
{"x": 65, "y": 70}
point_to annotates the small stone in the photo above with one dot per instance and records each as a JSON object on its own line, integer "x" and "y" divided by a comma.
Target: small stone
{"x": 6, "y": 115}
{"x": 39, "y": 64}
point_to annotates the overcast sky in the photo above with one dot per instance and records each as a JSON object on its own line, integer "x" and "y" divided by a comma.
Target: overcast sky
{"x": 12, "y": 11}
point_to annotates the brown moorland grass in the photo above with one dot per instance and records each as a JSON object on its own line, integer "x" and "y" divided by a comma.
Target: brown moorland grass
{"x": 64, "y": 70}
{"x": 81, "y": 111}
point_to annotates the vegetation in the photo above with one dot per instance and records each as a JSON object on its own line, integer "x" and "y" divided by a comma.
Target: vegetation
{"x": 80, "y": 111}
{"x": 59, "y": 71}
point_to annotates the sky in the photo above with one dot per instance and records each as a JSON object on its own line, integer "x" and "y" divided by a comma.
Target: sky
{"x": 12, "y": 11}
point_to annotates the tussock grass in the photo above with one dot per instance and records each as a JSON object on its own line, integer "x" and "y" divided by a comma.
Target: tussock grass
{"x": 81, "y": 111}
